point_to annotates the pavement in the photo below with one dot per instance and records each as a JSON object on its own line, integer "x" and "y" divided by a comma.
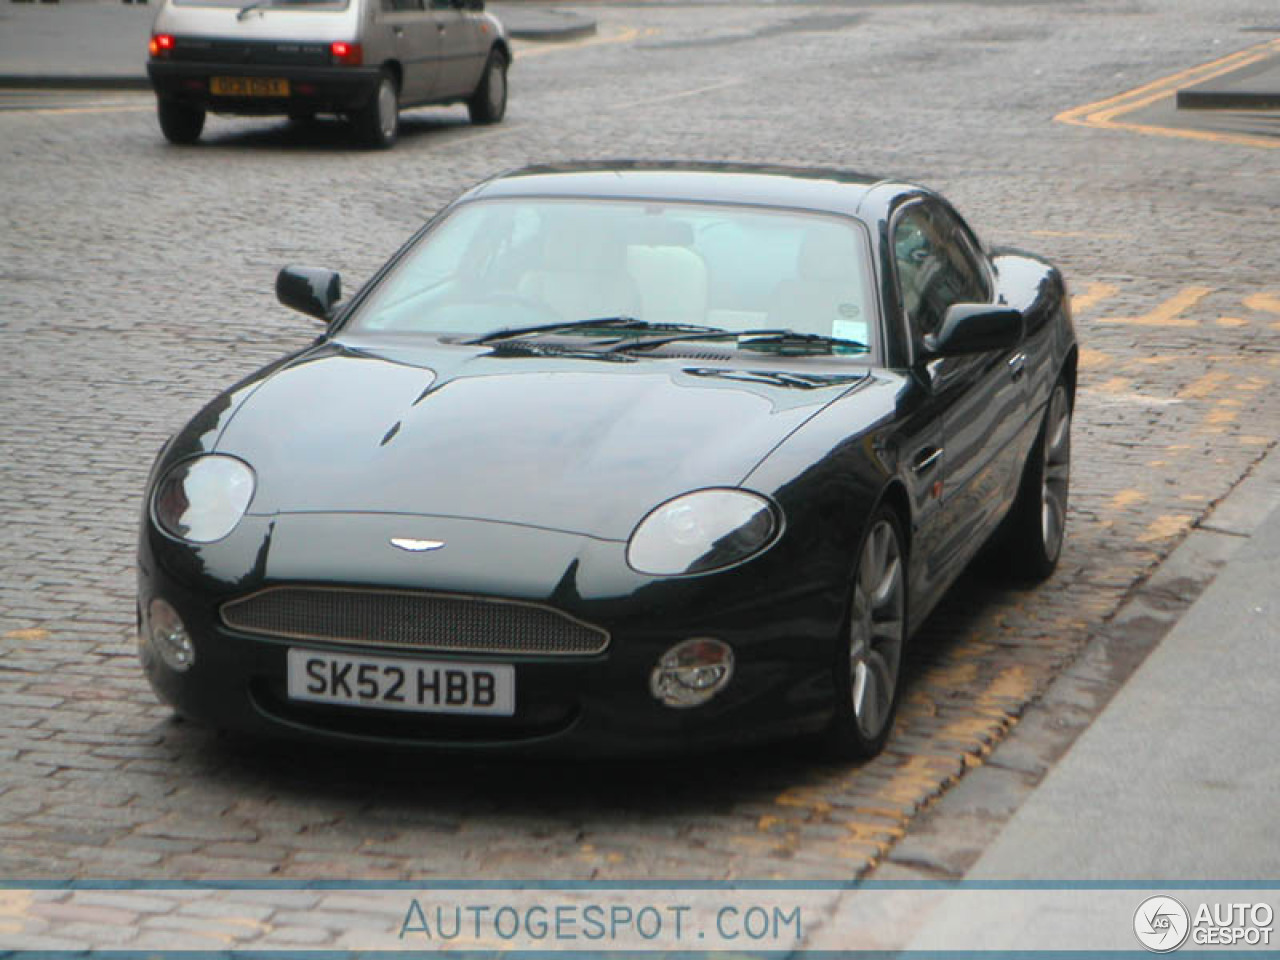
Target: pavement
{"x": 1153, "y": 787}
{"x": 101, "y": 45}
{"x": 1171, "y": 786}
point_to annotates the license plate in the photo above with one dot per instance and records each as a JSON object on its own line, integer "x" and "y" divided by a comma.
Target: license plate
{"x": 249, "y": 86}
{"x": 419, "y": 686}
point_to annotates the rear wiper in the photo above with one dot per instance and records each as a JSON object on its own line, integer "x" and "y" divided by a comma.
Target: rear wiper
{"x": 746, "y": 338}
{"x": 601, "y": 323}
{"x": 250, "y": 7}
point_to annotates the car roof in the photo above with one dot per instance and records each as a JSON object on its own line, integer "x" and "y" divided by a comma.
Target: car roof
{"x": 813, "y": 188}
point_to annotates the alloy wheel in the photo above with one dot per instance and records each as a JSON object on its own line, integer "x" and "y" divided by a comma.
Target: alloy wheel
{"x": 1056, "y": 475}
{"x": 877, "y": 629}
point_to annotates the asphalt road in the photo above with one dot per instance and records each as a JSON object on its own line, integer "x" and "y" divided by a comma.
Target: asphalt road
{"x": 137, "y": 281}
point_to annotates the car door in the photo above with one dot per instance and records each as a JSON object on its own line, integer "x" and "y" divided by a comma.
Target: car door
{"x": 981, "y": 398}
{"x": 411, "y": 34}
{"x": 462, "y": 47}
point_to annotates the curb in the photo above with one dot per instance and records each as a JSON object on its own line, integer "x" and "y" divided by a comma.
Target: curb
{"x": 564, "y": 34}
{"x": 1228, "y": 100}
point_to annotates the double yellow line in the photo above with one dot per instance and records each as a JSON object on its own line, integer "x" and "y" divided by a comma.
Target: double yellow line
{"x": 1105, "y": 114}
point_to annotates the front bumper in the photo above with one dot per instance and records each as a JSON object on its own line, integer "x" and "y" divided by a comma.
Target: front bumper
{"x": 782, "y": 635}
{"x": 311, "y": 89}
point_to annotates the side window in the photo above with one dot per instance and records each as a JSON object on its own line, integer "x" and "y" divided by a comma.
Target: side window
{"x": 401, "y": 6}
{"x": 936, "y": 267}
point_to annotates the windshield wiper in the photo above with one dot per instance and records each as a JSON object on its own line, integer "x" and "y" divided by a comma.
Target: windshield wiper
{"x": 747, "y": 338}
{"x": 250, "y": 7}
{"x": 595, "y": 323}
{"x": 784, "y": 337}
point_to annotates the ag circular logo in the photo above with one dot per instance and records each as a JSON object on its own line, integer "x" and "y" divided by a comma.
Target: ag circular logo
{"x": 1161, "y": 924}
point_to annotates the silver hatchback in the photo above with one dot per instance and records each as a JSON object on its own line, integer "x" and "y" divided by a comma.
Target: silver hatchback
{"x": 362, "y": 59}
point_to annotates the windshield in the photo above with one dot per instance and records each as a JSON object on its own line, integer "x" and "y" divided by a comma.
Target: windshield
{"x": 502, "y": 265}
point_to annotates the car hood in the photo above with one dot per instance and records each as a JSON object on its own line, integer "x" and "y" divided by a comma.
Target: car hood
{"x": 574, "y": 444}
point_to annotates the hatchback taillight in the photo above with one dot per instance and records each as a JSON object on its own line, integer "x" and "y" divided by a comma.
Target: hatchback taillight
{"x": 346, "y": 54}
{"x": 161, "y": 44}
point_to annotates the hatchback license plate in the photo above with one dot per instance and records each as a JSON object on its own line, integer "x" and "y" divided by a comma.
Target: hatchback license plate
{"x": 419, "y": 686}
{"x": 249, "y": 86}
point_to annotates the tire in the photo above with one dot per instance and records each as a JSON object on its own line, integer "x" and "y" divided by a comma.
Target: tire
{"x": 179, "y": 122}
{"x": 868, "y": 667}
{"x": 489, "y": 103}
{"x": 1030, "y": 542}
{"x": 378, "y": 123}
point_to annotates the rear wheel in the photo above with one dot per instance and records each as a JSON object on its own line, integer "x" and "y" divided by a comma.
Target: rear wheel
{"x": 489, "y": 103}
{"x": 378, "y": 122}
{"x": 1031, "y": 541}
{"x": 869, "y": 659}
{"x": 180, "y": 122}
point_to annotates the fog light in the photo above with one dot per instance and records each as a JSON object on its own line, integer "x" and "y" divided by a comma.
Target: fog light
{"x": 692, "y": 672}
{"x": 167, "y": 636}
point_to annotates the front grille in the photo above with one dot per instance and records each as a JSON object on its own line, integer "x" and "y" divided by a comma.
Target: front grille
{"x": 422, "y": 621}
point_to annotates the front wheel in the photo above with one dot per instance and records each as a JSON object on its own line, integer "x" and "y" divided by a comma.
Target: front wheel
{"x": 869, "y": 658}
{"x": 489, "y": 103}
{"x": 1036, "y": 527}
{"x": 378, "y": 123}
{"x": 180, "y": 122}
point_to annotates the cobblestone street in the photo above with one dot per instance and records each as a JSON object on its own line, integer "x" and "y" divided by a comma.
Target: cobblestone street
{"x": 138, "y": 281}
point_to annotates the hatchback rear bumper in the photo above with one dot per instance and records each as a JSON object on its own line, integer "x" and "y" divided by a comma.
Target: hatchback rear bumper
{"x": 311, "y": 89}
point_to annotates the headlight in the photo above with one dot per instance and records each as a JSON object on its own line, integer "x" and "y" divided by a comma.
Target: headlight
{"x": 702, "y": 531}
{"x": 202, "y": 500}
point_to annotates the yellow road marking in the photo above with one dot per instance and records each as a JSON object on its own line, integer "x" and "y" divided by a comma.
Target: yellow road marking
{"x": 1204, "y": 386}
{"x": 1263, "y": 302}
{"x": 624, "y": 35}
{"x": 1170, "y": 313}
{"x": 1103, "y": 114}
{"x": 1092, "y": 359}
{"x": 1168, "y": 525}
{"x": 1081, "y": 234}
{"x": 1094, "y": 294}
{"x": 1127, "y": 498}
{"x": 1232, "y": 322}
{"x": 682, "y": 95}
{"x": 131, "y": 108}
{"x": 33, "y": 633}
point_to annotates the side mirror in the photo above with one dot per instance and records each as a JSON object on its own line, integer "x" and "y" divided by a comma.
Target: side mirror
{"x": 309, "y": 290}
{"x": 975, "y": 328}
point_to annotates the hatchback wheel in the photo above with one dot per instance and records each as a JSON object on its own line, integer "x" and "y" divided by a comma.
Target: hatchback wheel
{"x": 378, "y": 123}
{"x": 180, "y": 122}
{"x": 869, "y": 660}
{"x": 489, "y": 103}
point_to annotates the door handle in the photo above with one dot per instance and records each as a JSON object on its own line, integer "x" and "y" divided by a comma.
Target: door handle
{"x": 926, "y": 459}
{"x": 1017, "y": 366}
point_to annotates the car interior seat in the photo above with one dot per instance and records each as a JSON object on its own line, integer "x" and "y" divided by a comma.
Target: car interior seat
{"x": 672, "y": 282}
{"x": 826, "y": 295}
{"x": 583, "y": 275}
